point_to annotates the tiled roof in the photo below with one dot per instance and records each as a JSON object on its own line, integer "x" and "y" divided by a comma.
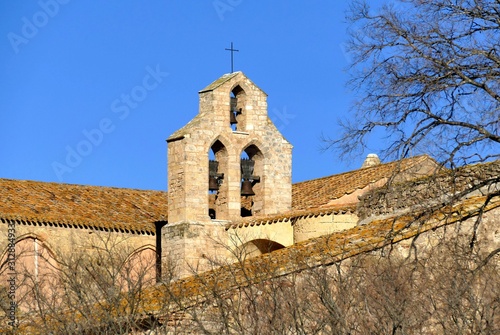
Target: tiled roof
{"x": 323, "y": 250}
{"x": 320, "y": 192}
{"x": 317, "y": 197}
{"x": 122, "y": 209}
{"x": 109, "y": 208}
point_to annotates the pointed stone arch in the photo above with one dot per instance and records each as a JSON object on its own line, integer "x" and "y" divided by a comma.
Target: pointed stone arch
{"x": 218, "y": 199}
{"x": 237, "y": 106}
{"x": 44, "y": 258}
{"x": 254, "y": 204}
{"x": 35, "y": 268}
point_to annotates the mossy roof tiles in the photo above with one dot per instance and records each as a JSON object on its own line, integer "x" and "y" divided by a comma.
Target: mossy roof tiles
{"x": 123, "y": 209}
{"x": 119, "y": 209}
{"x": 319, "y": 251}
{"x": 314, "y": 197}
{"x": 292, "y": 215}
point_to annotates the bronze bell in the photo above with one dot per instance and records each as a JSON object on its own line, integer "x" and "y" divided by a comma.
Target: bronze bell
{"x": 233, "y": 103}
{"x": 232, "y": 118}
{"x": 213, "y": 184}
{"x": 246, "y": 188}
{"x": 214, "y": 178}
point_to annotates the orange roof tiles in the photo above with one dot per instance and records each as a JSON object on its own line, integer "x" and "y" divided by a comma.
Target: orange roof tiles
{"x": 314, "y": 197}
{"x": 320, "y": 251}
{"x": 125, "y": 210}
{"x": 82, "y": 206}
{"x": 323, "y": 250}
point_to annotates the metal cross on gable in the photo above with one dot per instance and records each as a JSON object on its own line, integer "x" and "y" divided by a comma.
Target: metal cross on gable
{"x": 232, "y": 51}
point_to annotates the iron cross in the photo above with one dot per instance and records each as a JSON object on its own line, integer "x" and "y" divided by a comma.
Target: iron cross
{"x": 232, "y": 51}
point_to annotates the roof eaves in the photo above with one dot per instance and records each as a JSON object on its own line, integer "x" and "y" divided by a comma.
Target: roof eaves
{"x": 291, "y": 216}
{"x": 147, "y": 228}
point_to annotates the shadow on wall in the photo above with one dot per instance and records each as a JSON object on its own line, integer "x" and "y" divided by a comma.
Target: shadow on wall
{"x": 260, "y": 246}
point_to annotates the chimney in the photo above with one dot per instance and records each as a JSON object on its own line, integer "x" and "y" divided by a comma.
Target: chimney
{"x": 371, "y": 160}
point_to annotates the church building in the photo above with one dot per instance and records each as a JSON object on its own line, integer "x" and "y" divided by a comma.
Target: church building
{"x": 229, "y": 193}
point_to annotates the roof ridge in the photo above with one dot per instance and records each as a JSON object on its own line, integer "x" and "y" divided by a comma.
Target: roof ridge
{"x": 62, "y": 184}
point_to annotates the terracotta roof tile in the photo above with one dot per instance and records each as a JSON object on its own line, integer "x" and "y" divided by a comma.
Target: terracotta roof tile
{"x": 137, "y": 210}
{"x": 323, "y": 250}
{"x": 314, "y": 197}
{"x": 83, "y": 206}
{"x": 320, "y": 251}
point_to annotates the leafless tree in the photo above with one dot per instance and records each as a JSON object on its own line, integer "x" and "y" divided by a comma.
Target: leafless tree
{"x": 427, "y": 77}
{"x": 446, "y": 289}
{"x": 94, "y": 287}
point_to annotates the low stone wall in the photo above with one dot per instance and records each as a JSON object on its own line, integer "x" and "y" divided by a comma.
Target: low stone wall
{"x": 433, "y": 190}
{"x": 176, "y": 303}
{"x": 307, "y": 227}
{"x": 320, "y": 251}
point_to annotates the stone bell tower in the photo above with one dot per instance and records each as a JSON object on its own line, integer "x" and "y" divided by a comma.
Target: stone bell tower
{"x": 229, "y": 161}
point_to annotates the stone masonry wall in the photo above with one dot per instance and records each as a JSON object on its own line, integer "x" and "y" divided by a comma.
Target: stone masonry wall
{"x": 435, "y": 189}
{"x": 188, "y": 169}
{"x": 188, "y": 156}
{"x": 62, "y": 240}
{"x": 310, "y": 227}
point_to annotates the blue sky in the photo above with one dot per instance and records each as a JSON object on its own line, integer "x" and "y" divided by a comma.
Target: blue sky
{"x": 67, "y": 65}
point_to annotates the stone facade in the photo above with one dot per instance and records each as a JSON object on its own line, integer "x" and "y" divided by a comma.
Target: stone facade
{"x": 190, "y": 225}
{"x": 59, "y": 240}
{"x": 310, "y": 227}
{"x": 198, "y": 226}
{"x": 471, "y": 180}
{"x": 41, "y": 251}
{"x": 194, "y": 212}
{"x": 233, "y": 124}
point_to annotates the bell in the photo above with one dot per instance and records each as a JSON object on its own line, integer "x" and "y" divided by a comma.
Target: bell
{"x": 213, "y": 184}
{"x": 232, "y": 118}
{"x": 213, "y": 176}
{"x": 246, "y": 168}
{"x": 246, "y": 188}
{"x": 233, "y": 104}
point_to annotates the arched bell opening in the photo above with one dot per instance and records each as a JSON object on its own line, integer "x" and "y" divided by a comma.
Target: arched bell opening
{"x": 237, "y": 99}
{"x": 217, "y": 188}
{"x": 260, "y": 246}
{"x": 251, "y": 186}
